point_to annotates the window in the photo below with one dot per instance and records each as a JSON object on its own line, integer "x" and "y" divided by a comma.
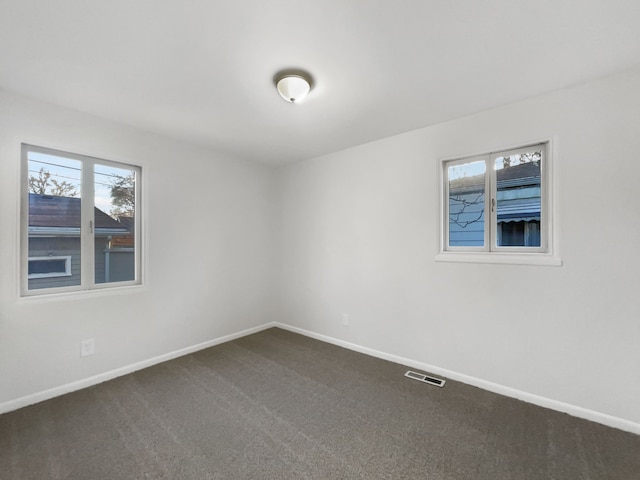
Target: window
{"x": 80, "y": 222}
{"x": 41, "y": 267}
{"x": 497, "y": 206}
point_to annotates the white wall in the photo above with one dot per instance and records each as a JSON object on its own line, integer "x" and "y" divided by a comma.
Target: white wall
{"x": 360, "y": 229}
{"x": 353, "y": 232}
{"x": 208, "y": 232}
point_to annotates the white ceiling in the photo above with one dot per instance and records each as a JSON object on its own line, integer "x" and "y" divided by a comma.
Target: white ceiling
{"x": 202, "y": 70}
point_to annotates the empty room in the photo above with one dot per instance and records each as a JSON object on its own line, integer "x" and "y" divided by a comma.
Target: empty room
{"x": 319, "y": 239}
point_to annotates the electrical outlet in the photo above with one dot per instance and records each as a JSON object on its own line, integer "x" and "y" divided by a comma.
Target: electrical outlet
{"x": 87, "y": 347}
{"x": 345, "y": 319}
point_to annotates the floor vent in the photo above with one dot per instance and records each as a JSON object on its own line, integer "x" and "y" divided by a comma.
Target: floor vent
{"x": 421, "y": 377}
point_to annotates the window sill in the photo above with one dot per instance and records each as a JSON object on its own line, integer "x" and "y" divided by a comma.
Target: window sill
{"x": 540, "y": 259}
{"x": 35, "y": 295}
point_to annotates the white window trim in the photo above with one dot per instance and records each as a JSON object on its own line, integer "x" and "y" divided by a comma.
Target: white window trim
{"x": 87, "y": 237}
{"x": 67, "y": 267}
{"x": 546, "y": 255}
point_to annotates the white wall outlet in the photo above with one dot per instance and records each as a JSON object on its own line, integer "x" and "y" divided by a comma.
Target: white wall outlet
{"x": 345, "y": 319}
{"x": 87, "y": 347}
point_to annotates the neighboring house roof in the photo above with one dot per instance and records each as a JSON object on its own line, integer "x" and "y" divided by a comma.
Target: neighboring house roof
{"x": 127, "y": 222}
{"x": 47, "y": 212}
{"x": 519, "y": 175}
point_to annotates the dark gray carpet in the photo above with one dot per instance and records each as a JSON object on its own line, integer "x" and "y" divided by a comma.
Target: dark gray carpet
{"x": 276, "y": 405}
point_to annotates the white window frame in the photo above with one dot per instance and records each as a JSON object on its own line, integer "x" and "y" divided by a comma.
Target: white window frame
{"x": 67, "y": 266}
{"x": 87, "y": 238}
{"x": 490, "y": 252}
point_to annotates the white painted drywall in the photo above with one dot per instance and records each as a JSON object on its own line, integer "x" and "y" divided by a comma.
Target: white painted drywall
{"x": 360, "y": 230}
{"x": 355, "y": 232}
{"x": 207, "y": 229}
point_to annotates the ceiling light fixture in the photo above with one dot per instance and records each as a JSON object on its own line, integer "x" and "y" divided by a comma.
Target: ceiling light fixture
{"x": 293, "y": 87}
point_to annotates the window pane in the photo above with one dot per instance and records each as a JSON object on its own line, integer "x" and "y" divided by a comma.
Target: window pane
{"x": 54, "y": 218}
{"x": 114, "y": 231}
{"x": 54, "y": 266}
{"x": 466, "y": 204}
{"x": 518, "y": 200}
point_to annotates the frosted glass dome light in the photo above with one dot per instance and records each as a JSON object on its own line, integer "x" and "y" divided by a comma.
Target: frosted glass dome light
{"x": 293, "y": 88}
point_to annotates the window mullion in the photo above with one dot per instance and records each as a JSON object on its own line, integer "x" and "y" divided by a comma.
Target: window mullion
{"x": 87, "y": 229}
{"x": 489, "y": 233}
{"x": 492, "y": 193}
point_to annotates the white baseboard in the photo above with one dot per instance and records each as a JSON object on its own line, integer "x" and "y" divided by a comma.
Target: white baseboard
{"x": 573, "y": 410}
{"x": 570, "y": 409}
{"x": 118, "y": 372}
